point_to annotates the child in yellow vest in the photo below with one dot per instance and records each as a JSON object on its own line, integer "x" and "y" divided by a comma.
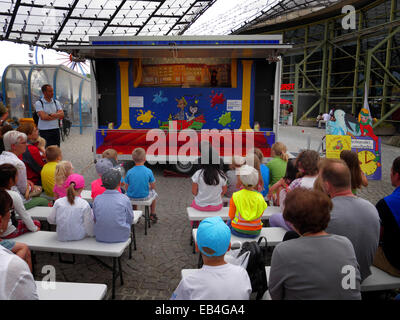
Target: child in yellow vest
{"x": 247, "y": 205}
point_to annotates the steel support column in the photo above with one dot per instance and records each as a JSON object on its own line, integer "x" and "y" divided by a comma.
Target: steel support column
{"x": 388, "y": 58}
{"x": 357, "y": 66}
{"x": 323, "y": 104}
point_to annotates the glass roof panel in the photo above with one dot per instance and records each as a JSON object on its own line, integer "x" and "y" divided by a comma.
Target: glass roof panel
{"x": 48, "y": 23}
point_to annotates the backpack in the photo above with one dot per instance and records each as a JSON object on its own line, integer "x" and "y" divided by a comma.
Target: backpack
{"x": 256, "y": 265}
{"x": 35, "y": 115}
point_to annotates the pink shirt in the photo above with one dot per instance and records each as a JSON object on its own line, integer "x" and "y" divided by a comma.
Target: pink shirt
{"x": 97, "y": 189}
{"x": 59, "y": 192}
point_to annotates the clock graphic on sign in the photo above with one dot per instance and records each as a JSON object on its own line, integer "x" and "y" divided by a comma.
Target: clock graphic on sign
{"x": 367, "y": 162}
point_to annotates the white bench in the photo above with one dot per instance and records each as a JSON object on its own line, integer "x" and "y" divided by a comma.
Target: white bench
{"x": 197, "y": 215}
{"x": 46, "y": 241}
{"x": 70, "y": 291}
{"x": 41, "y": 214}
{"x": 380, "y": 280}
{"x": 146, "y": 205}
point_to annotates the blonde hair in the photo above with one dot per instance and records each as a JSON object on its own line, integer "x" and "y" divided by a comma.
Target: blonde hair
{"x": 280, "y": 150}
{"x": 72, "y": 193}
{"x": 138, "y": 155}
{"x": 41, "y": 142}
{"x": 254, "y": 161}
{"x": 110, "y": 154}
{"x": 259, "y": 154}
{"x": 63, "y": 170}
{"x": 318, "y": 186}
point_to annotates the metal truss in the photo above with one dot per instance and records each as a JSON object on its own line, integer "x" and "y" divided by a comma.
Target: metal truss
{"x": 51, "y": 23}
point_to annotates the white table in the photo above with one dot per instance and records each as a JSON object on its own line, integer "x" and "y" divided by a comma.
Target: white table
{"x": 41, "y": 214}
{"x": 380, "y": 280}
{"x": 46, "y": 241}
{"x": 186, "y": 272}
{"x": 146, "y": 204}
{"x": 197, "y": 215}
{"x": 71, "y": 291}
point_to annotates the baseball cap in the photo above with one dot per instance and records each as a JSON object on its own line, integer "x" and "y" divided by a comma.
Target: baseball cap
{"x": 103, "y": 165}
{"x": 75, "y": 178}
{"x": 213, "y": 233}
{"x": 111, "y": 178}
{"x": 248, "y": 175}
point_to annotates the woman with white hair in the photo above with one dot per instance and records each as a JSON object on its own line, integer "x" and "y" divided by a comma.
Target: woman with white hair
{"x": 15, "y": 143}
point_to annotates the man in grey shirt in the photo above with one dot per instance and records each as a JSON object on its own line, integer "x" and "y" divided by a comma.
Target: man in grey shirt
{"x": 352, "y": 217}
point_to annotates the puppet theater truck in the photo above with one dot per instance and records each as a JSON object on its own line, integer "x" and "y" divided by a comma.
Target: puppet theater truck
{"x": 169, "y": 95}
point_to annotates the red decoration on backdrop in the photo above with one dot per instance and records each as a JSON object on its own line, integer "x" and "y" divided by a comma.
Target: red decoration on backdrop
{"x": 217, "y": 99}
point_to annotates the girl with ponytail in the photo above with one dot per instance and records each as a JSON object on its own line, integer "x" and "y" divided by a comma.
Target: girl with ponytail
{"x": 277, "y": 166}
{"x": 72, "y": 215}
{"x": 63, "y": 170}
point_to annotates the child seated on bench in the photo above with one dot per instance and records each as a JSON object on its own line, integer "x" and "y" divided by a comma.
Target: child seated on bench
{"x": 15, "y": 228}
{"x": 53, "y": 157}
{"x": 216, "y": 280}
{"x": 102, "y": 166}
{"x": 140, "y": 182}
{"x": 112, "y": 210}
{"x": 16, "y": 280}
{"x": 237, "y": 162}
{"x": 72, "y": 215}
{"x": 209, "y": 184}
{"x": 63, "y": 170}
{"x": 247, "y": 205}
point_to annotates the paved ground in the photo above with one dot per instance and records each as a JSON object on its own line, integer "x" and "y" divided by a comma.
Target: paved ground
{"x": 154, "y": 270}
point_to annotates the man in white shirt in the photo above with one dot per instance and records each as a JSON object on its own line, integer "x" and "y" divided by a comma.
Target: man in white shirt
{"x": 325, "y": 118}
{"x": 216, "y": 280}
{"x": 49, "y": 112}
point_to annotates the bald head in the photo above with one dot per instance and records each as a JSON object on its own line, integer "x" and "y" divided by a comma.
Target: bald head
{"x": 336, "y": 173}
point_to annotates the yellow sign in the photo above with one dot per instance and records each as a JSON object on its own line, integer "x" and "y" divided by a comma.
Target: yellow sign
{"x": 336, "y": 144}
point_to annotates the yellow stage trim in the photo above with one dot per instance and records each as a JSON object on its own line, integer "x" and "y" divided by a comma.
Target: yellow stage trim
{"x": 124, "y": 81}
{"x": 246, "y": 94}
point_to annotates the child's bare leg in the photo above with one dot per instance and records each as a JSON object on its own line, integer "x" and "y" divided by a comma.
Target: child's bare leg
{"x": 22, "y": 251}
{"x": 153, "y": 207}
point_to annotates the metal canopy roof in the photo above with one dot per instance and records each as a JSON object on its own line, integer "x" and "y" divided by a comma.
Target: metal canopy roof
{"x": 247, "y": 13}
{"x": 70, "y": 22}
{"x": 252, "y": 46}
{"x": 286, "y": 7}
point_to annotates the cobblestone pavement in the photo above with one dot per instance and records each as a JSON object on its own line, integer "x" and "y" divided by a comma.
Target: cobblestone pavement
{"x": 154, "y": 270}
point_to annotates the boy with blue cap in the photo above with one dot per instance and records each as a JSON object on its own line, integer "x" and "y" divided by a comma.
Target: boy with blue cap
{"x": 216, "y": 280}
